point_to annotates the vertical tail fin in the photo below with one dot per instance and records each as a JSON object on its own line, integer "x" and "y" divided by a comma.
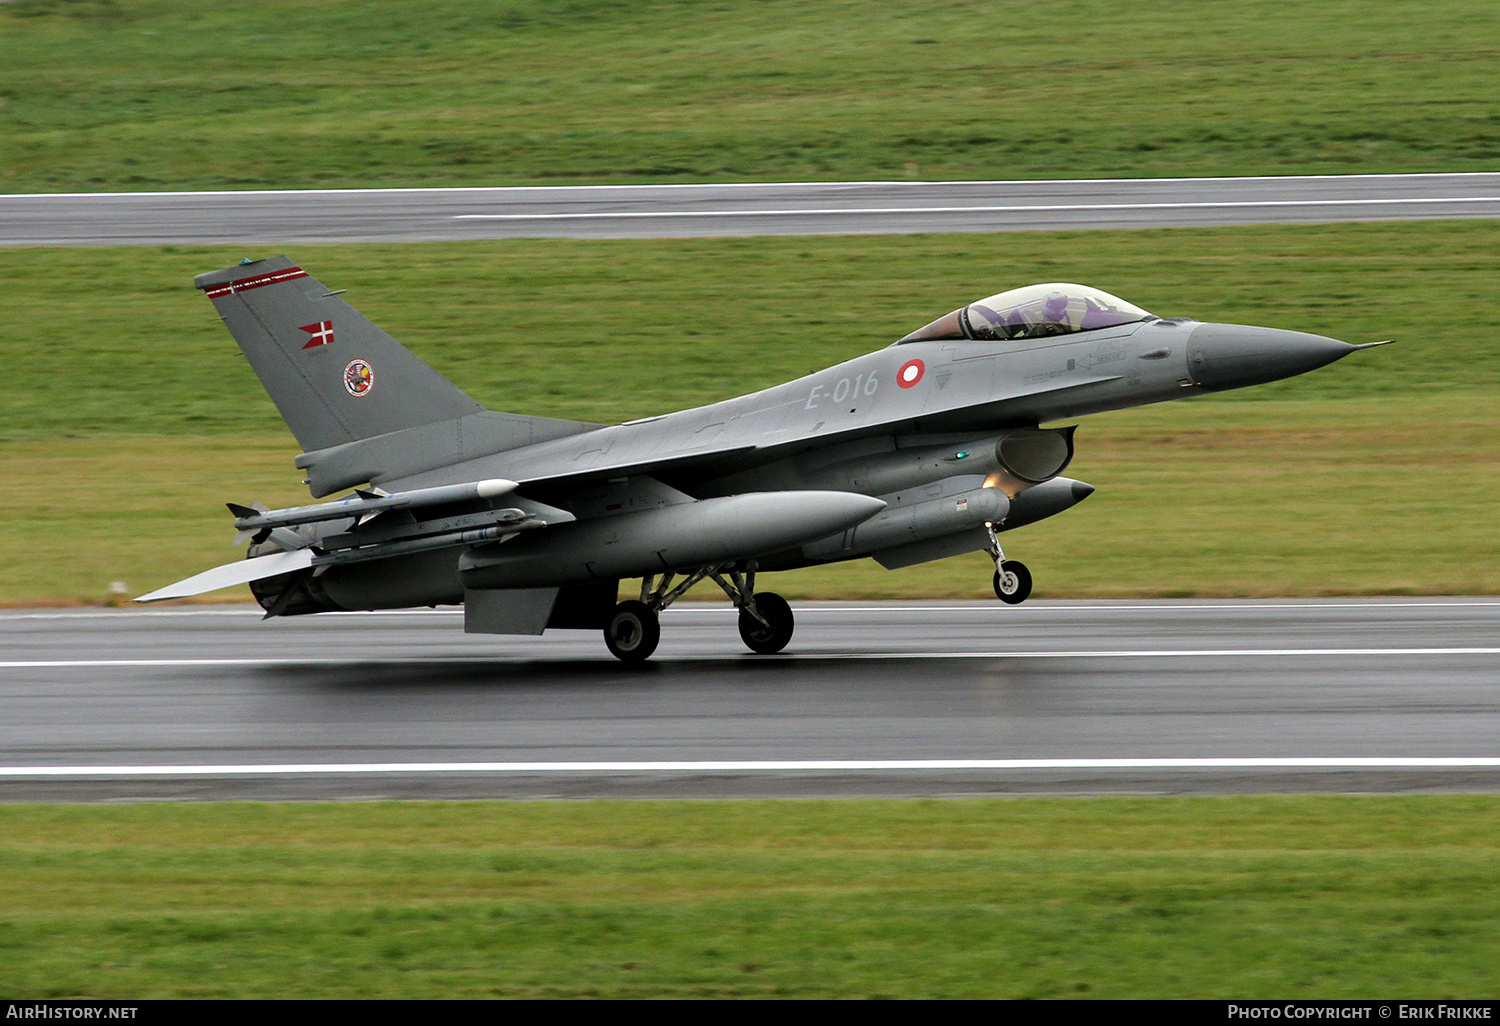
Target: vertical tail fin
{"x": 333, "y": 374}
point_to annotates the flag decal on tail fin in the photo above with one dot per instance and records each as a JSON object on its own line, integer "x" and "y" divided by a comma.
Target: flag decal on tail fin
{"x": 322, "y": 334}
{"x": 359, "y": 378}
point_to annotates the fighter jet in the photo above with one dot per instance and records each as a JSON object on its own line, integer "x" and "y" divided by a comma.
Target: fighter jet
{"x": 929, "y": 447}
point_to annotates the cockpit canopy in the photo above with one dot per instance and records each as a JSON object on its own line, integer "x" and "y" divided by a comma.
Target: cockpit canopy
{"x": 1034, "y": 311}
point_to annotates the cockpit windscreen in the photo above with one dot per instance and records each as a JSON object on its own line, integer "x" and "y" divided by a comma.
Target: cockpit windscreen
{"x": 1034, "y": 311}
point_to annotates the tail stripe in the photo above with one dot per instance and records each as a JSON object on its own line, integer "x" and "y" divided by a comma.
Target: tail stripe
{"x": 272, "y": 278}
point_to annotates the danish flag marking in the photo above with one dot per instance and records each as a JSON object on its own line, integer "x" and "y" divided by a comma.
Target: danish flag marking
{"x": 322, "y": 334}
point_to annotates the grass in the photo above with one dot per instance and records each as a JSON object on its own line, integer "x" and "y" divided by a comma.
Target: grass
{"x": 1282, "y": 897}
{"x": 129, "y": 416}
{"x": 165, "y": 94}
{"x": 116, "y": 341}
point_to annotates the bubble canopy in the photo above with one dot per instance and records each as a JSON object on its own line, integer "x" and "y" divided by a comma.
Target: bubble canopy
{"x": 1034, "y": 311}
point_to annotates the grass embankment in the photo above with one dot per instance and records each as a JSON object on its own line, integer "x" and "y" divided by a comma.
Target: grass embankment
{"x": 1281, "y": 897}
{"x": 129, "y": 416}
{"x": 170, "y": 94}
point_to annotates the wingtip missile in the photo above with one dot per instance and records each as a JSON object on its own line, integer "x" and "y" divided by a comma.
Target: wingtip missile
{"x": 366, "y": 502}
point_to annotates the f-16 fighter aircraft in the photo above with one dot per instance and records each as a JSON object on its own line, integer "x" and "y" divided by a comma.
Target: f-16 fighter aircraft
{"x": 929, "y": 447}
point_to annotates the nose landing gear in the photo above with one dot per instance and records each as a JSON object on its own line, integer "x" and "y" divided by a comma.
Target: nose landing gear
{"x": 1012, "y": 578}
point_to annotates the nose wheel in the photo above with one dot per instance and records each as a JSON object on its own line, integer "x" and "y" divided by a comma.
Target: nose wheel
{"x": 1012, "y": 582}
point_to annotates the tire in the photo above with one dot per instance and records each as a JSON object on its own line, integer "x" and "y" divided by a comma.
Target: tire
{"x": 632, "y": 632}
{"x": 1012, "y": 583}
{"x": 760, "y": 638}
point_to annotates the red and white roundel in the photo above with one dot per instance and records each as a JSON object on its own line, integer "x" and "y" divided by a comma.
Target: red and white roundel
{"x": 359, "y": 378}
{"x": 910, "y": 373}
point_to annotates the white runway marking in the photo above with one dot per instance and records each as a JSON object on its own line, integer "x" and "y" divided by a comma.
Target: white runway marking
{"x": 1017, "y": 208}
{"x": 1074, "y": 606}
{"x": 1042, "y": 606}
{"x": 756, "y": 766}
{"x": 737, "y": 186}
{"x": 242, "y": 611}
{"x": 1145, "y": 653}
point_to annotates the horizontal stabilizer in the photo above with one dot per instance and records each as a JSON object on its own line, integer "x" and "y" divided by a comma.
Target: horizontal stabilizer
{"x": 240, "y": 572}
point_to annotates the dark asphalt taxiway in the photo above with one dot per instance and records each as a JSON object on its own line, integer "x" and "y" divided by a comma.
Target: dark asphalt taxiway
{"x": 790, "y": 208}
{"x": 891, "y": 699}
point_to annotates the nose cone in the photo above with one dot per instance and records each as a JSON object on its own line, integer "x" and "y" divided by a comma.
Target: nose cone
{"x": 1222, "y": 356}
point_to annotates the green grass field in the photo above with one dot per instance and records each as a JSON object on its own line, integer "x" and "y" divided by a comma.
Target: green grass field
{"x": 130, "y": 416}
{"x": 166, "y": 94}
{"x": 1271, "y": 897}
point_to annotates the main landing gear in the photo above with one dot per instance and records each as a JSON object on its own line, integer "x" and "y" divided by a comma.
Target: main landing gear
{"x": 766, "y": 621}
{"x": 766, "y": 624}
{"x": 632, "y": 631}
{"x": 1012, "y": 578}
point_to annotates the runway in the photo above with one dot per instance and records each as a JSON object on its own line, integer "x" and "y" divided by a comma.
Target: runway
{"x": 796, "y": 208}
{"x": 901, "y": 699}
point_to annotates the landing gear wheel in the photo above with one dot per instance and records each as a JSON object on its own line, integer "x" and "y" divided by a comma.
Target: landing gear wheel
{"x": 1012, "y": 582}
{"x": 632, "y": 631}
{"x": 756, "y": 635}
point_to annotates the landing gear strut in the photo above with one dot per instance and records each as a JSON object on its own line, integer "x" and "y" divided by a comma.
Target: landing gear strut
{"x": 1012, "y": 578}
{"x": 766, "y": 621}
